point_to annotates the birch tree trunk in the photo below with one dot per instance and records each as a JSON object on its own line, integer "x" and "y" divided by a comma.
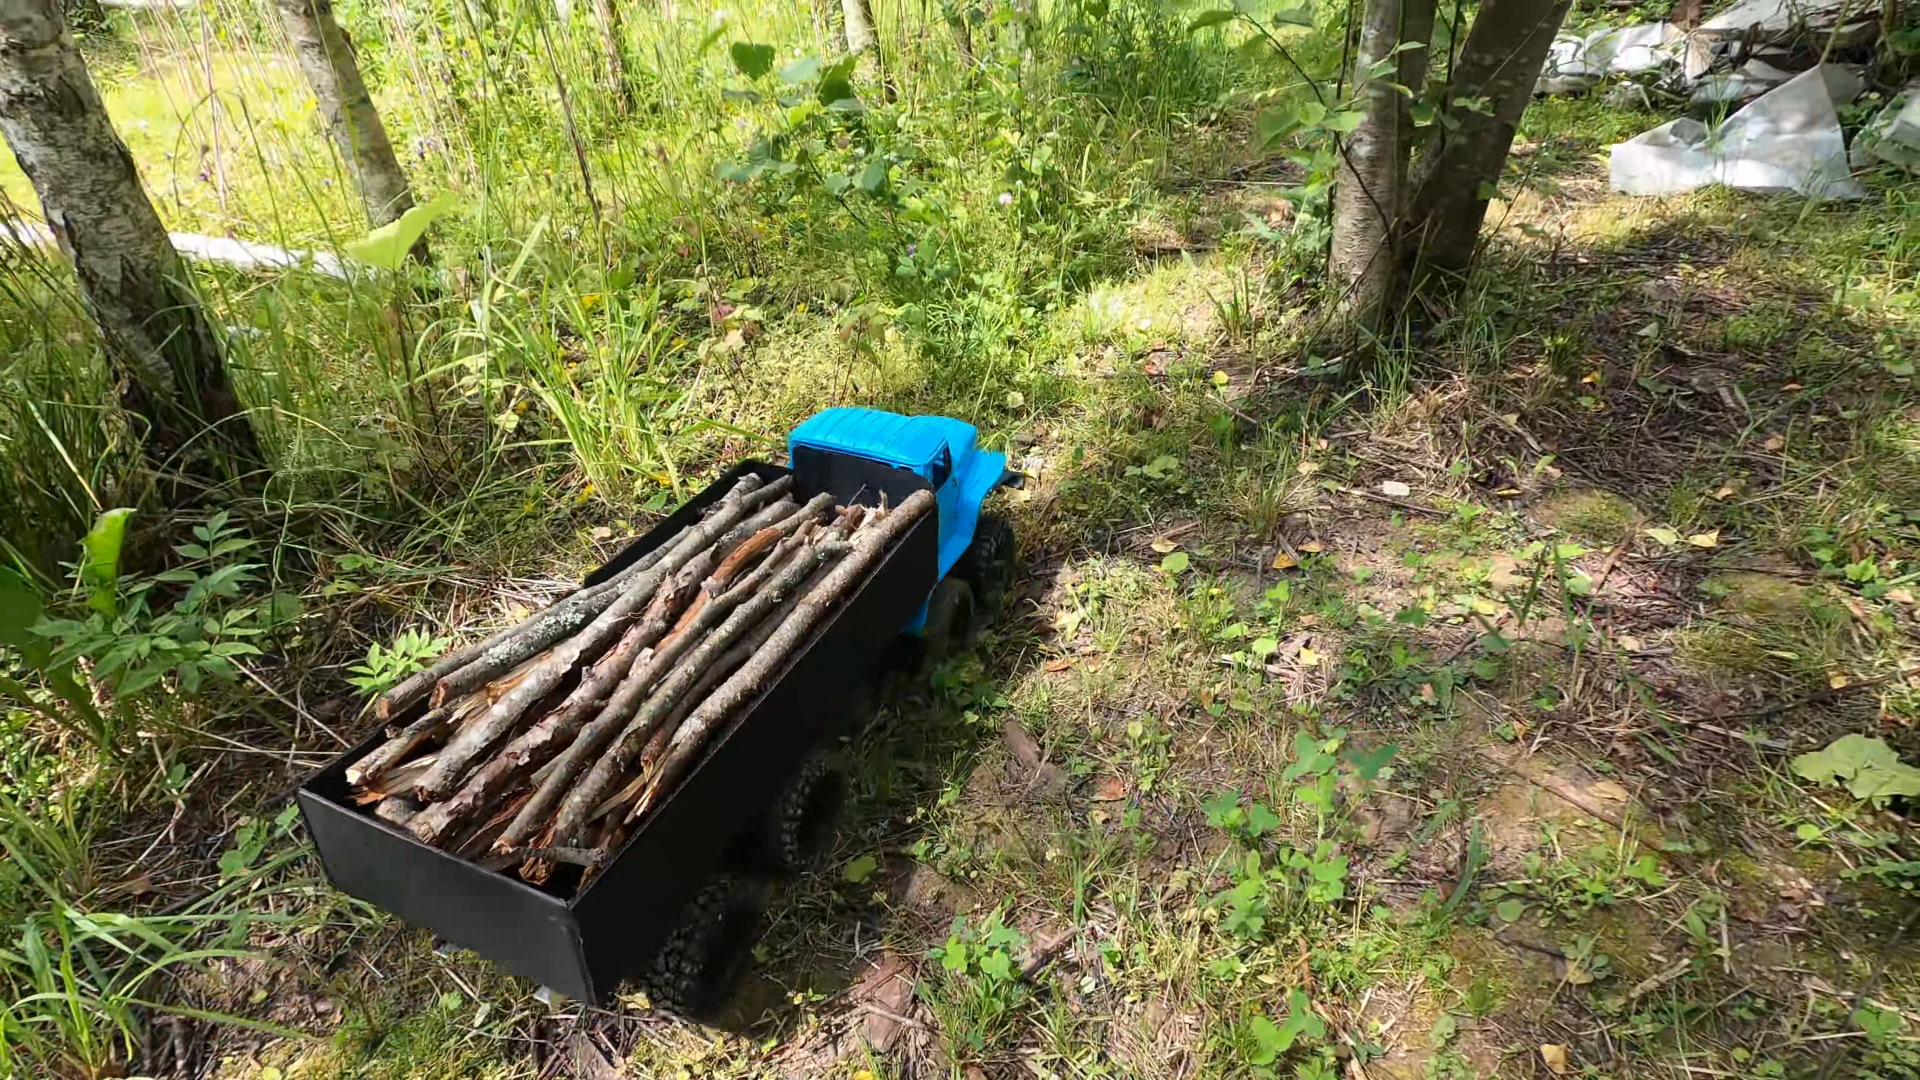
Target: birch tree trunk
{"x": 1457, "y": 170}
{"x": 858, "y": 16}
{"x": 1371, "y": 173}
{"x": 326, "y": 56}
{"x": 612, "y": 40}
{"x": 132, "y": 281}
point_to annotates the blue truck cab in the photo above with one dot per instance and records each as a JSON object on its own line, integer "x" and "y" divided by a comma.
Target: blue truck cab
{"x": 942, "y": 451}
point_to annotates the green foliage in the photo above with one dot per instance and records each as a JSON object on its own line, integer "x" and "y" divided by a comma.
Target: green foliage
{"x": 388, "y": 246}
{"x": 191, "y": 622}
{"x": 99, "y": 568}
{"x": 385, "y": 668}
{"x": 1867, "y": 767}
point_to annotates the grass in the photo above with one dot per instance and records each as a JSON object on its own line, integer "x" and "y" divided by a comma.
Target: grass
{"x": 1469, "y": 780}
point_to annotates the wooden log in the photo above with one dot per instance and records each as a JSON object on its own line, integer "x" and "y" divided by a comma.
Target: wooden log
{"x": 460, "y": 753}
{"x": 417, "y": 686}
{"x": 869, "y": 547}
{"x": 622, "y": 705}
{"x": 712, "y": 677}
{"x": 612, "y": 766}
{"x": 533, "y": 746}
{"x": 431, "y": 725}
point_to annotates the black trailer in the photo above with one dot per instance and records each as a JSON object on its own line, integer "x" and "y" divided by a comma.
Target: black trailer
{"x": 663, "y": 903}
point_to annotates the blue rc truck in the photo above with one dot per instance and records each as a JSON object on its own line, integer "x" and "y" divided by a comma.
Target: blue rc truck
{"x": 679, "y": 905}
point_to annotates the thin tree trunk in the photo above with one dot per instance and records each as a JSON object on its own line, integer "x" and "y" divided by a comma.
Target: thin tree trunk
{"x": 612, "y": 44}
{"x": 1457, "y": 170}
{"x": 131, "y": 278}
{"x": 1373, "y": 164}
{"x": 326, "y": 56}
{"x": 858, "y": 18}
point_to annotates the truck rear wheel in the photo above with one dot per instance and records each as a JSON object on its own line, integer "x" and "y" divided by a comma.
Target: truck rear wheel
{"x": 711, "y": 947}
{"x": 800, "y": 823}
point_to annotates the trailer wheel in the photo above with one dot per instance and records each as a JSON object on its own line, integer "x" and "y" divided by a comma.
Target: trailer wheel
{"x": 709, "y": 950}
{"x": 988, "y": 563}
{"x": 800, "y": 822}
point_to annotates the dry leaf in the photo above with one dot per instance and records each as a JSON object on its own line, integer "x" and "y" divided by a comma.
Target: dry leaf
{"x": 1900, "y": 596}
{"x": 1307, "y": 468}
{"x": 1110, "y": 789}
{"x": 1726, "y": 492}
{"x": 1309, "y": 656}
{"x": 1061, "y": 664}
{"x": 1775, "y": 441}
{"x": 1792, "y": 386}
{"x": 1284, "y": 561}
{"x": 601, "y": 532}
{"x": 1555, "y": 1057}
{"x": 1313, "y": 547}
{"x": 1395, "y": 489}
{"x": 1836, "y": 682}
{"x": 1508, "y": 493}
{"x": 1163, "y": 545}
{"x": 1629, "y": 642}
{"x": 1707, "y": 539}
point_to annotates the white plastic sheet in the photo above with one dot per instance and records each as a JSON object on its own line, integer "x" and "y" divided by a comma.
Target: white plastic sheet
{"x": 1751, "y": 79}
{"x": 1575, "y": 63}
{"x": 1787, "y": 140}
{"x": 1894, "y": 135}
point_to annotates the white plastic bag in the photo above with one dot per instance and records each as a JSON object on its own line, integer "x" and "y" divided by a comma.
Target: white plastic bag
{"x": 1787, "y": 140}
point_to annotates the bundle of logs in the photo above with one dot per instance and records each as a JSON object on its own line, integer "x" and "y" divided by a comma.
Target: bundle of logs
{"x": 548, "y": 742}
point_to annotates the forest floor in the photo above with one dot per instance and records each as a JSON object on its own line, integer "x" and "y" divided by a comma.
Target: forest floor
{"x": 1500, "y": 674}
{"x": 1438, "y": 728}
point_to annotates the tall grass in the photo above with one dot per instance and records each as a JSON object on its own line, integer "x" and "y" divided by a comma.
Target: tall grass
{"x": 615, "y": 373}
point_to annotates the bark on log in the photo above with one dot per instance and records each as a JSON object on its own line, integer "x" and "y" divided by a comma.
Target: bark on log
{"x": 553, "y": 787}
{"x": 715, "y": 673}
{"x": 611, "y": 768}
{"x": 411, "y": 738}
{"x": 533, "y": 747}
{"x": 163, "y": 348}
{"x": 549, "y": 628}
{"x": 786, "y": 515}
{"x": 417, "y": 686}
{"x": 590, "y": 642}
{"x": 868, "y": 549}
{"x": 396, "y": 812}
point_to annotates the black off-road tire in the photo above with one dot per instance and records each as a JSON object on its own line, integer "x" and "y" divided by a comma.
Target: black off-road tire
{"x": 799, "y": 824}
{"x": 711, "y": 947}
{"x": 950, "y": 625}
{"x": 988, "y": 565}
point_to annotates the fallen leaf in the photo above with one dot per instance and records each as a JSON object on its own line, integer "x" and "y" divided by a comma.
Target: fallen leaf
{"x": 1313, "y": 547}
{"x": 1284, "y": 561}
{"x": 1792, "y": 386}
{"x": 1726, "y": 492}
{"x": 1110, "y": 789}
{"x": 1775, "y": 441}
{"x": 1707, "y": 539}
{"x": 602, "y": 533}
{"x": 1508, "y": 493}
{"x": 1061, "y": 664}
{"x": 1395, "y": 488}
{"x": 1163, "y": 545}
{"x": 1836, "y": 681}
{"x": 1663, "y": 535}
{"x": 1900, "y": 596}
{"x": 1555, "y": 1057}
{"x": 1307, "y": 468}
{"x": 1629, "y": 642}
{"x": 1309, "y": 656}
